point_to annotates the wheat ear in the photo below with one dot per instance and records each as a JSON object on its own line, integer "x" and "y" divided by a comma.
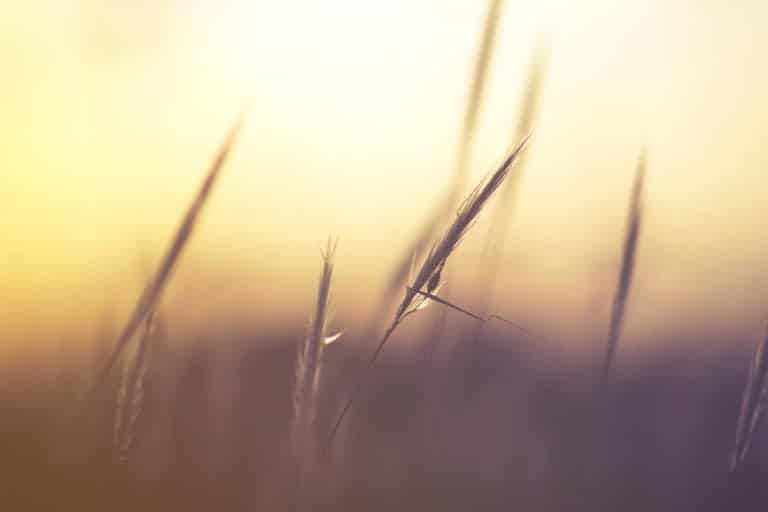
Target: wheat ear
{"x": 433, "y": 264}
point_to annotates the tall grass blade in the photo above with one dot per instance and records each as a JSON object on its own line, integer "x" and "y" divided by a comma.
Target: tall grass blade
{"x": 154, "y": 289}
{"x": 627, "y": 267}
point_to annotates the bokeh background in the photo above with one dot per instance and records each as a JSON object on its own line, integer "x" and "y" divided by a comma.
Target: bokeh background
{"x": 112, "y": 110}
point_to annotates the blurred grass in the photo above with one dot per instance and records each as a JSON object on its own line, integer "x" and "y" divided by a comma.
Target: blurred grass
{"x": 507, "y": 428}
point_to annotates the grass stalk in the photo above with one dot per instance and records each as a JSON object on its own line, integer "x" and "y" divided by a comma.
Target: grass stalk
{"x": 154, "y": 289}
{"x": 432, "y": 266}
{"x": 309, "y": 369}
{"x": 752, "y": 403}
{"x": 627, "y": 268}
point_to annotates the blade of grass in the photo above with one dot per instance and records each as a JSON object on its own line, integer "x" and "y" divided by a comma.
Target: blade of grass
{"x": 627, "y": 267}
{"x": 154, "y": 289}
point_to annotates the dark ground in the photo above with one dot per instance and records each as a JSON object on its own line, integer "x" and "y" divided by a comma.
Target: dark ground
{"x": 492, "y": 429}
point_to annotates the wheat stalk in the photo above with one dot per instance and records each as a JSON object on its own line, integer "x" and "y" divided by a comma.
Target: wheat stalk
{"x": 752, "y": 403}
{"x": 627, "y": 267}
{"x": 429, "y": 274}
{"x": 154, "y": 289}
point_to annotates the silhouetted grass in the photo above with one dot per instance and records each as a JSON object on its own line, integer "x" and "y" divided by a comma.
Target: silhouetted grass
{"x": 154, "y": 289}
{"x": 435, "y": 262}
{"x": 627, "y": 267}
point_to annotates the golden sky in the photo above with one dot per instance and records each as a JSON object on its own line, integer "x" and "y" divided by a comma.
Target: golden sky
{"x": 111, "y": 111}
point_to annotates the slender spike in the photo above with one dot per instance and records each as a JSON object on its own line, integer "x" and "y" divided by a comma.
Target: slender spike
{"x": 476, "y": 93}
{"x": 627, "y": 267}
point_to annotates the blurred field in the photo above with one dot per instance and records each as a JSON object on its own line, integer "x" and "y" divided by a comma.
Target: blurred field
{"x": 490, "y": 428}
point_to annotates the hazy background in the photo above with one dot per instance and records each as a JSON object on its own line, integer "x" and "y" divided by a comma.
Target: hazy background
{"x": 111, "y": 111}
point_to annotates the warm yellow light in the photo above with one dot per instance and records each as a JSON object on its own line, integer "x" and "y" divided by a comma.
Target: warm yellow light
{"x": 110, "y": 117}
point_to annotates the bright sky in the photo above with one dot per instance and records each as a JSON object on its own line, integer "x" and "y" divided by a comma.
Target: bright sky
{"x": 111, "y": 111}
